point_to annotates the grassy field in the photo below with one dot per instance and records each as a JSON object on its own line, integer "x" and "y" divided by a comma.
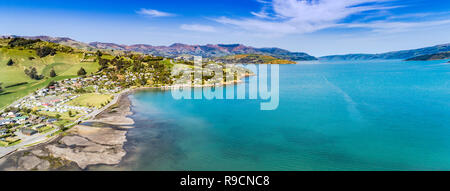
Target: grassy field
{"x": 66, "y": 66}
{"x": 91, "y": 100}
{"x": 46, "y": 129}
{"x": 64, "y": 116}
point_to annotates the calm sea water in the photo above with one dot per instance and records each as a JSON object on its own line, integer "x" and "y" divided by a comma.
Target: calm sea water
{"x": 366, "y": 115}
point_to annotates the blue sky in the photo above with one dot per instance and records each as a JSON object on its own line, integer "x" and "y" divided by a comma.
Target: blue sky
{"x": 318, "y": 27}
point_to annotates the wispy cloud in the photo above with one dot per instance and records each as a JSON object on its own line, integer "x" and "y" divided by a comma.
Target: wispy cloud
{"x": 198, "y": 28}
{"x": 397, "y": 26}
{"x": 154, "y": 13}
{"x": 304, "y": 16}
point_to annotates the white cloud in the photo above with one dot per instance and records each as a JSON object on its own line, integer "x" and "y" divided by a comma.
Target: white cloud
{"x": 198, "y": 28}
{"x": 154, "y": 13}
{"x": 303, "y": 16}
{"x": 397, "y": 26}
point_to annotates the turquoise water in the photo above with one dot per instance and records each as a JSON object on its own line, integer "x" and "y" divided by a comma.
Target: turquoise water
{"x": 369, "y": 115}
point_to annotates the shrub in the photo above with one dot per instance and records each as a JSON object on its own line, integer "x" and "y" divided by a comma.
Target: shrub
{"x": 52, "y": 73}
{"x": 10, "y": 62}
{"x": 81, "y": 72}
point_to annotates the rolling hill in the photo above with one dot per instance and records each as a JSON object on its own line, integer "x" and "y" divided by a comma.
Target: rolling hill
{"x": 207, "y": 51}
{"x": 404, "y": 54}
{"x": 66, "y": 62}
{"x": 178, "y": 49}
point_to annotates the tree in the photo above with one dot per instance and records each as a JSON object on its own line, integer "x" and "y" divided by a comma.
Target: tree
{"x": 70, "y": 113}
{"x": 1, "y": 88}
{"x": 10, "y": 62}
{"x": 99, "y": 54}
{"x": 53, "y": 73}
{"x": 58, "y": 116}
{"x": 81, "y": 72}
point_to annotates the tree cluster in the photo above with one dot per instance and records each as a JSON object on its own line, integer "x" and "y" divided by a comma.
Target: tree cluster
{"x": 45, "y": 51}
{"x": 15, "y": 42}
{"x": 33, "y": 74}
{"x": 103, "y": 63}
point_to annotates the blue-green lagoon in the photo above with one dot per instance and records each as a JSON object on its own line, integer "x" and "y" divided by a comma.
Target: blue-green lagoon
{"x": 356, "y": 115}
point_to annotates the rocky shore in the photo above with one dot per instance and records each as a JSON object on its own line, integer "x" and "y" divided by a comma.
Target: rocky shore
{"x": 95, "y": 142}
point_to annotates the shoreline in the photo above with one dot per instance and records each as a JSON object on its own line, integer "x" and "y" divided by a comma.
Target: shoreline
{"x": 85, "y": 145}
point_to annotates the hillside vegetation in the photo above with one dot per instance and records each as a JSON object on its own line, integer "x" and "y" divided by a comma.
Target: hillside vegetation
{"x": 44, "y": 57}
{"x": 252, "y": 59}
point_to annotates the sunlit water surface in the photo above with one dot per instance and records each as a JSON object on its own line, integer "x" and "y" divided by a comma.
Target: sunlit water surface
{"x": 366, "y": 115}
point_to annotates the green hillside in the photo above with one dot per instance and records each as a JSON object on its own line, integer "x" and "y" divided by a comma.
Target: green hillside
{"x": 252, "y": 59}
{"x": 66, "y": 61}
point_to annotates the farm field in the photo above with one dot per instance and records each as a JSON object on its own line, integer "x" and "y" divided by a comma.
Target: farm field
{"x": 91, "y": 100}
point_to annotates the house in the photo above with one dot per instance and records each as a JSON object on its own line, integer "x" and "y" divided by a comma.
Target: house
{"x": 52, "y": 120}
{"x": 6, "y": 122}
{"x": 11, "y": 114}
{"x": 3, "y": 132}
{"x": 20, "y": 120}
{"x": 39, "y": 126}
{"x": 28, "y": 132}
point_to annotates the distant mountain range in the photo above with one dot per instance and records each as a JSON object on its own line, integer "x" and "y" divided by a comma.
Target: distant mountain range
{"x": 222, "y": 50}
{"x": 404, "y": 54}
{"x": 208, "y": 51}
{"x": 178, "y": 49}
{"x": 438, "y": 56}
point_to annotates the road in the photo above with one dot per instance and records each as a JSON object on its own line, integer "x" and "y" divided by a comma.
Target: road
{"x": 26, "y": 140}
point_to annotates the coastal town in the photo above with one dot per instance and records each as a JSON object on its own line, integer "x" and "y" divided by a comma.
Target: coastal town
{"x": 48, "y": 112}
{"x": 52, "y": 109}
